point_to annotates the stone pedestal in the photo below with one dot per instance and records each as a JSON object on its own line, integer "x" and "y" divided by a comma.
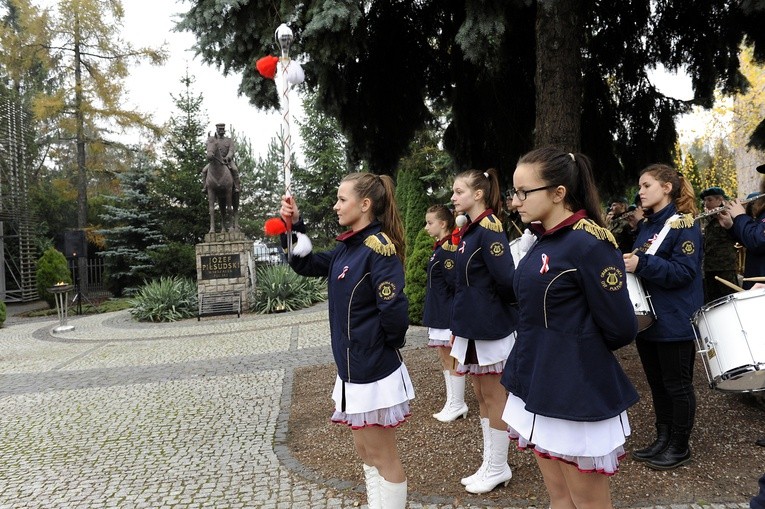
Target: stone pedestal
{"x": 222, "y": 265}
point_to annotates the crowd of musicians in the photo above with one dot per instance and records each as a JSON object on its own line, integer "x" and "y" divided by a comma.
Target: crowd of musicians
{"x": 527, "y": 298}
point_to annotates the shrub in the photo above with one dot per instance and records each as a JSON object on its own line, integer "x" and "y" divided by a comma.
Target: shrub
{"x": 2, "y": 313}
{"x": 52, "y": 268}
{"x": 417, "y": 275}
{"x": 165, "y": 300}
{"x": 279, "y": 288}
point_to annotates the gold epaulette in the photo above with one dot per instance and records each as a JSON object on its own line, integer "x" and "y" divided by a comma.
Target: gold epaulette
{"x": 684, "y": 221}
{"x": 596, "y": 231}
{"x": 448, "y": 246}
{"x": 491, "y": 222}
{"x": 381, "y": 244}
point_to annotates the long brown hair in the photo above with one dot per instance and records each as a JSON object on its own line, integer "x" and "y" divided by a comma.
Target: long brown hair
{"x": 572, "y": 171}
{"x": 682, "y": 191}
{"x": 486, "y": 181}
{"x": 380, "y": 190}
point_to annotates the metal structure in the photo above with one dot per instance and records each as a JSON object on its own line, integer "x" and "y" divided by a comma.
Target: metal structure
{"x": 17, "y": 251}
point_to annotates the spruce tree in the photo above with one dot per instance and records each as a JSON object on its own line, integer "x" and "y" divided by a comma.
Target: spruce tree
{"x": 316, "y": 183}
{"x": 130, "y": 229}
{"x": 182, "y": 207}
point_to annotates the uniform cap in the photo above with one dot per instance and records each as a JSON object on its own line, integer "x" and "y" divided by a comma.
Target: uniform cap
{"x": 761, "y": 168}
{"x": 752, "y": 195}
{"x": 713, "y": 191}
{"x": 619, "y": 199}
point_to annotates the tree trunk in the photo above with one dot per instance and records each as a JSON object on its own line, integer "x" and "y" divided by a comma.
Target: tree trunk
{"x": 559, "y": 75}
{"x": 82, "y": 176}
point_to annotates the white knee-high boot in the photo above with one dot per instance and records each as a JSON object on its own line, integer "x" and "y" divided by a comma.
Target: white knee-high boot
{"x": 485, "y": 432}
{"x": 455, "y": 406}
{"x": 372, "y": 479}
{"x": 392, "y": 494}
{"x": 497, "y": 470}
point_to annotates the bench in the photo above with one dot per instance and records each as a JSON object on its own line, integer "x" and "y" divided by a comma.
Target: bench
{"x": 220, "y": 303}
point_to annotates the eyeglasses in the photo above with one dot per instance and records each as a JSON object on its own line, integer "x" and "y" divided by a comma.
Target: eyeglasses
{"x": 522, "y": 194}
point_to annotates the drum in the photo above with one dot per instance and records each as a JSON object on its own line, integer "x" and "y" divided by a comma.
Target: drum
{"x": 730, "y": 336}
{"x": 641, "y": 301}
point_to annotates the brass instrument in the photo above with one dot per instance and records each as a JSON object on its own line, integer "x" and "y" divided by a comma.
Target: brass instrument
{"x": 717, "y": 210}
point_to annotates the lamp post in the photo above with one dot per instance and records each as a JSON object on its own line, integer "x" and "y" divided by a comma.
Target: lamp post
{"x": 284, "y": 39}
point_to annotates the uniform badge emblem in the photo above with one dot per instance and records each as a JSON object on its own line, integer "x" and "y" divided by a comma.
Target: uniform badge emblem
{"x": 497, "y": 249}
{"x": 611, "y": 278}
{"x": 688, "y": 247}
{"x": 448, "y": 264}
{"x": 386, "y": 290}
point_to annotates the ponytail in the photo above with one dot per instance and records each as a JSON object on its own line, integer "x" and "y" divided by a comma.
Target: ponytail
{"x": 682, "y": 194}
{"x": 488, "y": 182}
{"x": 380, "y": 190}
{"x": 572, "y": 171}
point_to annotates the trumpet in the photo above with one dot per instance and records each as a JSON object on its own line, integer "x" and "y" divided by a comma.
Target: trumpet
{"x": 717, "y": 210}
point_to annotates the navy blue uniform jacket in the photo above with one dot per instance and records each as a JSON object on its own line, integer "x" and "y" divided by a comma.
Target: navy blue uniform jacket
{"x": 574, "y": 310}
{"x": 439, "y": 292}
{"x": 483, "y": 290}
{"x": 368, "y": 311}
{"x": 751, "y": 234}
{"x": 672, "y": 277}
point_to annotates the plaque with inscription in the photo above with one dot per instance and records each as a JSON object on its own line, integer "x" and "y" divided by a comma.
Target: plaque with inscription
{"x": 221, "y": 266}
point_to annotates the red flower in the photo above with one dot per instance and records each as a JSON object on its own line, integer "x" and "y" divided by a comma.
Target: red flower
{"x": 267, "y": 66}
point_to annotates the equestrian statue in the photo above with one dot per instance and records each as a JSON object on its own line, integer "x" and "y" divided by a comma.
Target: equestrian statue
{"x": 221, "y": 180}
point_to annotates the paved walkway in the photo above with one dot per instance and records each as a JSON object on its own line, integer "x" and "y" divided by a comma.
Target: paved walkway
{"x": 185, "y": 415}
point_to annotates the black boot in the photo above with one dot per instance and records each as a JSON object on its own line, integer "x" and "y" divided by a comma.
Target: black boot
{"x": 677, "y": 453}
{"x": 663, "y": 432}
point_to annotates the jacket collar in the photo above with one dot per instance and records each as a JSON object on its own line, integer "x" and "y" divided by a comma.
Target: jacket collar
{"x": 353, "y": 236}
{"x": 569, "y": 221}
{"x": 662, "y": 215}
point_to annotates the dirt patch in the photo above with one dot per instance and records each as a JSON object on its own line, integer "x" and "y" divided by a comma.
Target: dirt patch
{"x": 725, "y": 468}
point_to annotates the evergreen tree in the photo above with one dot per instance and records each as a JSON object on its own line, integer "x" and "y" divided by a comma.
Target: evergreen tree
{"x": 267, "y": 182}
{"x": 315, "y": 185}
{"x": 379, "y": 67}
{"x": 182, "y": 207}
{"x": 414, "y": 196}
{"x": 130, "y": 229}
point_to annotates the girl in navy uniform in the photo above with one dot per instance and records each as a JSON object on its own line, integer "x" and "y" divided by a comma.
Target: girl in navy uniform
{"x": 668, "y": 261}
{"x": 483, "y": 322}
{"x": 439, "y": 293}
{"x": 568, "y": 395}
{"x": 368, "y": 315}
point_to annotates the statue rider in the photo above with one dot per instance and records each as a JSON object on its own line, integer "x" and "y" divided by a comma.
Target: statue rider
{"x": 224, "y": 150}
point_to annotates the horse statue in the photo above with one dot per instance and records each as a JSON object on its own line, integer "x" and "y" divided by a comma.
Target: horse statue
{"x": 220, "y": 179}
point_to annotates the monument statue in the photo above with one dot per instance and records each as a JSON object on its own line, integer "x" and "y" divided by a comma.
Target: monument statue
{"x": 220, "y": 179}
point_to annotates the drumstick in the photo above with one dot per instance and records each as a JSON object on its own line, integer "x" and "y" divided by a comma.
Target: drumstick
{"x": 756, "y": 279}
{"x": 729, "y": 284}
{"x": 634, "y": 252}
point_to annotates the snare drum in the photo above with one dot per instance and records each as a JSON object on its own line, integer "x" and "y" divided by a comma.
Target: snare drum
{"x": 730, "y": 336}
{"x": 641, "y": 301}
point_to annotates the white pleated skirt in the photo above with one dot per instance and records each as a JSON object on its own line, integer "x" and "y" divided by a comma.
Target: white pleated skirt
{"x": 439, "y": 337}
{"x": 492, "y": 355}
{"x": 382, "y": 403}
{"x": 590, "y": 446}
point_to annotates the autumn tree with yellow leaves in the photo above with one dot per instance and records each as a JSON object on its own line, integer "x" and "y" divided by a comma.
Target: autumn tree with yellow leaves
{"x": 87, "y": 61}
